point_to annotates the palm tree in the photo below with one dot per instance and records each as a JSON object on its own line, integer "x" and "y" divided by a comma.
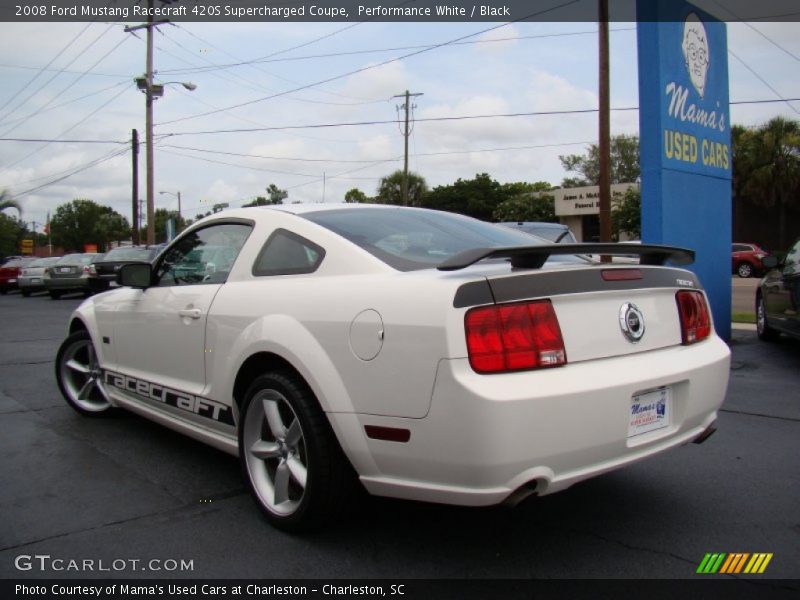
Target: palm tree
{"x": 7, "y": 202}
{"x": 774, "y": 178}
{"x": 390, "y": 189}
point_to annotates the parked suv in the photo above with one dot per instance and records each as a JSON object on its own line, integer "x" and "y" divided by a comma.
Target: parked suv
{"x": 746, "y": 259}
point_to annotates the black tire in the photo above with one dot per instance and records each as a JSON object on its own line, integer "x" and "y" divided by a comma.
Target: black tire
{"x": 745, "y": 270}
{"x": 765, "y": 332}
{"x": 76, "y": 353}
{"x": 3, "y": 291}
{"x": 25, "y": 293}
{"x": 55, "y": 294}
{"x": 328, "y": 479}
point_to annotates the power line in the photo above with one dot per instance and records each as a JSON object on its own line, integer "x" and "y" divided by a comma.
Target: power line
{"x": 46, "y": 83}
{"x": 74, "y": 172}
{"x": 758, "y": 31}
{"x": 368, "y": 67}
{"x": 764, "y": 81}
{"x": 75, "y": 81}
{"x": 68, "y": 170}
{"x": 45, "y": 68}
{"x": 60, "y": 141}
{"x": 89, "y": 95}
{"x": 91, "y": 114}
{"x": 434, "y": 119}
{"x": 391, "y": 49}
{"x": 393, "y": 122}
{"x": 260, "y": 69}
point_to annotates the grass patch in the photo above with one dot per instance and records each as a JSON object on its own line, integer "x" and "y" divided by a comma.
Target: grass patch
{"x": 743, "y": 316}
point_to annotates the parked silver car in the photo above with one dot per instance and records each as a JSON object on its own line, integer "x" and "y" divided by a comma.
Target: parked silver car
{"x": 69, "y": 274}
{"x": 31, "y": 278}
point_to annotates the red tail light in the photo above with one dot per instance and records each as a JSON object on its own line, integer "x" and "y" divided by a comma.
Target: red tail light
{"x": 695, "y": 320}
{"x": 514, "y": 337}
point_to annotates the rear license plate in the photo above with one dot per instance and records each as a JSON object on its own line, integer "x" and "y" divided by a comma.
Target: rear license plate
{"x": 36, "y": 280}
{"x": 650, "y": 411}
{"x": 64, "y": 270}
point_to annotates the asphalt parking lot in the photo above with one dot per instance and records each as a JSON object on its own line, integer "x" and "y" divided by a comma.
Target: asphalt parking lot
{"x": 124, "y": 488}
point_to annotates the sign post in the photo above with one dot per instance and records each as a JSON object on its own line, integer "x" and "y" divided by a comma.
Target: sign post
{"x": 684, "y": 126}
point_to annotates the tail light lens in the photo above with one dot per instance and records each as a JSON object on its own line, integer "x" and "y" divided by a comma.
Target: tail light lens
{"x": 514, "y": 337}
{"x": 89, "y": 270}
{"x": 695, "y": 319}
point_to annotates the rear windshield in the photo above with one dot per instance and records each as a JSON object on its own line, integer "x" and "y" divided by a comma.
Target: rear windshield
{"x": 45, "y": 262}
{"x": 409, "y": 239}
{"x": 128, "y": 254}
{"x": 78, "y": 259}
{"x": 17, "y": 262}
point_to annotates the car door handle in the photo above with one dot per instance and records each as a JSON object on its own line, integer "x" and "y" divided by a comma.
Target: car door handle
{"x": 192, "y": 313}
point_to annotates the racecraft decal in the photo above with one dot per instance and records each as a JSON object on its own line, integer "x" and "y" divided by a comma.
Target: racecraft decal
{"x": 171, "y": 397}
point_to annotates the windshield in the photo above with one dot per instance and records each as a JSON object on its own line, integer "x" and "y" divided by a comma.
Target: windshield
{"x": 128, "y": 254}
{"x": 409, "y": 239}
{"x": 78, "y": 259}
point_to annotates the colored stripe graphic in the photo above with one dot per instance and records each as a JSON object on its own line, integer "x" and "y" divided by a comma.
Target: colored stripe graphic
{"x": 734, "y": 563}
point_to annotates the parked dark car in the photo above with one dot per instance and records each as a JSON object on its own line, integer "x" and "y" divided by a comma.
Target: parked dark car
{"x": 554, "y": 232}
{"x": 103, "y": 271}
{"x": 9, "y": 273}
{"x": 70, "y": 274}
{"x": 778, "y": 296}
{"x": 746, "y": 259}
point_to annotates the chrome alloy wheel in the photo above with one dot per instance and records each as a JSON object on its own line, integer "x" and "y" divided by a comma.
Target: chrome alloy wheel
{"x": 80, "y": 375}
{"x": 275, "y": 452}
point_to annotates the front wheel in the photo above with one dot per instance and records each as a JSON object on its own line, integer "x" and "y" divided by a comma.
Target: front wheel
{"x": 290, "y": 457}
{"x": 745, "y": 270}
{"x": 79, "y": 376}
{"x": 765, "y": 332}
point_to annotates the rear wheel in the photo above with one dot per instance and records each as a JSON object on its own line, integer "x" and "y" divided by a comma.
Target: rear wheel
{"x": 79, "y": 376}
{"x": 25, "y": 293}
{"x": 745, "y": 270}
{"x": 55, "y": 294}
{"x": 290, "y": 458}
{"x": 765, "y": 332}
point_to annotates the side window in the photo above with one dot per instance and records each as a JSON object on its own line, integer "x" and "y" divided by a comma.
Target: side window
{"x": 286, "y": 253}
{"x": 204, "y": 256}
{"x": 793, "y": 258}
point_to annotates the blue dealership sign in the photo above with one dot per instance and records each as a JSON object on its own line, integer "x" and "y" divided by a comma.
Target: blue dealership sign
{"x": 684, "y": 126}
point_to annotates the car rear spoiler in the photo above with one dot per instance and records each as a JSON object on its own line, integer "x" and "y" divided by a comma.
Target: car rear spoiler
{"x": 533, "y": 257}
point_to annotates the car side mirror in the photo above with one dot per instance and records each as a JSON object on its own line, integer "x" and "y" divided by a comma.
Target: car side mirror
{"x": 135, "y": 275}
{"x": 770, "y": 262}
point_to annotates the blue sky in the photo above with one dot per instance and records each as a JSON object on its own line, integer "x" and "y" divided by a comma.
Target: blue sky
{"x": 550, "y": 66}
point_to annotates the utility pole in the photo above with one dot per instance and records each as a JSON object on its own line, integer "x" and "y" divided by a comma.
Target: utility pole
{"x": 604, "y": 142}
{"x": 146, "y": 85}
{"x": 406, "y": 133}
{"x": 135, "y": 185}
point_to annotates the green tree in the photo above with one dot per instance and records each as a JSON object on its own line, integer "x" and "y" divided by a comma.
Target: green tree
{"x": 85, "y": 222}
{"x": 11, "y": 234}
{"x": 275, "y": 196}
{"x": 355, "y": 195}
{"x": 769, "y": 168}
{"x": 478, "y": 197}
{"x": 624, "y": 163}
{"x": 390, "y": 189}
{"x": 626, "y": 215}
{"x": 161, "y": 216}
{"x": 526, "y": 207}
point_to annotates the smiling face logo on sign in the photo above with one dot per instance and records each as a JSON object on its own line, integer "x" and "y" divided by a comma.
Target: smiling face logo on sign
{"x": 695, "y": 51}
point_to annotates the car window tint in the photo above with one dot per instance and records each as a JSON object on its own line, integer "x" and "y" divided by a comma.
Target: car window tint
{"x": 414, "y": 239}
{"x": 203, "y": 256}
{"x": 286, "y": 253}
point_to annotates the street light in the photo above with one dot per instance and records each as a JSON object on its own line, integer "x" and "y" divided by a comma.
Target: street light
{"x": 178, "y": 196}
{"x": 152, "y": 90}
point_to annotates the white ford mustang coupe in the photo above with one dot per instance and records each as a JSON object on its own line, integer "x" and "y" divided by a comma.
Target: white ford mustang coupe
{"x": 429, "y": 355}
